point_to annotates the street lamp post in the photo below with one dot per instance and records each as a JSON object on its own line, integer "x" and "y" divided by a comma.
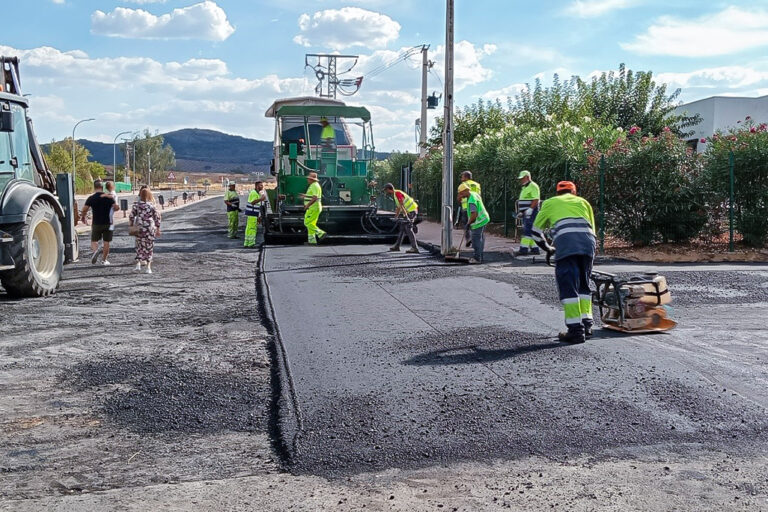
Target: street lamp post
{"x": 114, "y": 155}
{"x": 74, "y": 169}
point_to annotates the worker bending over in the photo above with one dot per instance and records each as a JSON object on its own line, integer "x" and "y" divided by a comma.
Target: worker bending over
{"x": 407, "y": 207}
{"x": 477, "y": 218}
{"x": 466, "y": 179}
{"x": 313, "y": 206}
{"x": 528, "y": 208}
{"x": 256, "y": 198}
{"x": 572, "y": 227}
{"x": 232, "y": 200}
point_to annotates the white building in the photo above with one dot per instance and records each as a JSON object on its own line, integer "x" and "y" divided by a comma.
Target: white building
{"x": 719, "y": 113}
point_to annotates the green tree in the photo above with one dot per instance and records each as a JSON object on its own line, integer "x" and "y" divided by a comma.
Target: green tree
{"x": 625, "y": 99}
{"x": 59, "y": 158}
{"x": 152, "y": 150}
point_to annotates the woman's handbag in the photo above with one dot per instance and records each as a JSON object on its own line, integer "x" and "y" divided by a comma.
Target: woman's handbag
{"x": 133, "y": 230}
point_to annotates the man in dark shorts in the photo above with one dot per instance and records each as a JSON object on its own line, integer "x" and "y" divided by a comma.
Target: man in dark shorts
{"x": 101, "y": 204}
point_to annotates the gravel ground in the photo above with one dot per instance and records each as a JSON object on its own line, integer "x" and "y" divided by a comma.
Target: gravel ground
{"x": 135, "y": 392}
{"x": 128, "y": 380}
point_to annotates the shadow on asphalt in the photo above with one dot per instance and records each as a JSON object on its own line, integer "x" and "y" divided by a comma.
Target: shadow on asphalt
{"x": 474, "y": 354}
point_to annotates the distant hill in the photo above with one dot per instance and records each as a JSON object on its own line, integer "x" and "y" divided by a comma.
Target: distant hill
{"x": 199, "y": 150}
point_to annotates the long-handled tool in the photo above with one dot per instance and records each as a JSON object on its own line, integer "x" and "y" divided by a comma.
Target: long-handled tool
{"x": 456, "y": 257}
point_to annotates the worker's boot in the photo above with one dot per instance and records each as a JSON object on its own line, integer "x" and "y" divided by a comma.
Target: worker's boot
{"x": 395, "y": 248}
{"x": 572, "y": 336}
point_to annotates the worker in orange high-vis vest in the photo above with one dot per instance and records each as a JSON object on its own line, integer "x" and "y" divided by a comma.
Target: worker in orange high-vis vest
{"x": 406, "y": 207}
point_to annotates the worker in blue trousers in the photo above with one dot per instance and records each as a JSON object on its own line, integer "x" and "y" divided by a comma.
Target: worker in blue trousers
{"x": 571, "y": 222}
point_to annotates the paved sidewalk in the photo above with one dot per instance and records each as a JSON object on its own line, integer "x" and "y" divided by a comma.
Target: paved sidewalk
{"x": 122, "y": 217}
{"x": 496, "y": 246}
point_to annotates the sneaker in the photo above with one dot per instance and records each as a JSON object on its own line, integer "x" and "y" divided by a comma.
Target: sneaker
{"x": 106, "y": 263}
{"x": 572, "y": 337}
{"x": 395, "y": 249}
{"x": 473, "y": 261}
{"x": 137, "y": 268}
{"x": 148, "y": 270}
{"x": 413, "y": 250}
{"x": 95, "y": 256}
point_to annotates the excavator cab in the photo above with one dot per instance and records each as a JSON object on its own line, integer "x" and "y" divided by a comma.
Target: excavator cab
{"x": 36, "y": 227}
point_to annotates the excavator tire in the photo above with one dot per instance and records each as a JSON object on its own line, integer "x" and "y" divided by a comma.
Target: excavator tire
{"x": 38, "y": 251}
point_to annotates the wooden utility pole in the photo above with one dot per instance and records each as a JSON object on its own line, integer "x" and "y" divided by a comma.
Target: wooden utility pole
{"x": 423, "y": 123}
{"x": 447, "y": 217}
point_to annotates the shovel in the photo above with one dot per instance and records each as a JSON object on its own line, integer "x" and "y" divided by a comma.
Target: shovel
{"x": 456, "y": 257}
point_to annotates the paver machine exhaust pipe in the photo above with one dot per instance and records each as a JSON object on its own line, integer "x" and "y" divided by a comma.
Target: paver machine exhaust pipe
{"x": 636, "y": 305}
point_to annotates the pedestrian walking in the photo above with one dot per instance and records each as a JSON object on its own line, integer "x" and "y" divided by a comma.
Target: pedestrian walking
{"x": 110, "y": 191}
{"x": 256, "y": 199}
{"x": 409, "y": 209}
{"x": 313, "y": 207}
{"x": 232, "y": 200}
{"x": 572, "y": 223}
{"x": 528, "y": 209}
{"x": 102, "y": 207}
{"x": 145, "y": 219}
{"x": 477, "y": 219}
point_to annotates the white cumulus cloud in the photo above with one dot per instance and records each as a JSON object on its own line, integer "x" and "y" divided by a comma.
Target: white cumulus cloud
{"x": 205, "y": 20}
{"x": 723, "y": 80}
{"x": 595, "y": 8}
{"x": 336, "y": 29}
{"x": 729, "y": 31}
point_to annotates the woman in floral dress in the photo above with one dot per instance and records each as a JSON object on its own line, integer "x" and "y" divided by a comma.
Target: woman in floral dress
{"x": 146, "y": 217}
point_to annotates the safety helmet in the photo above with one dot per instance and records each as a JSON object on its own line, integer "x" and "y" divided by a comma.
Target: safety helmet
{"x": 524, "y": 174}
{"x": 566, "y": 186}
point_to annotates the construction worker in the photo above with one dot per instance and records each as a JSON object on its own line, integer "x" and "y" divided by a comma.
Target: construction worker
{"x": 327, "y": 145}
{"x": 405, "y": 205}
{"x": 572, "y": 223}
{"x": 313, "y": 206}
{"x": 528, "y": 208}
{"x": 256, "y": 198}
{"x": 466, "y": 179}
{"x": 328, "y": 134}
{"x": 232, "y": 200}
{"x": 477, "y": 219}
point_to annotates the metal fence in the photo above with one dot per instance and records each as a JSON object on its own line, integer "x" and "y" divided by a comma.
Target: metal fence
{"x": 707, "y": 212}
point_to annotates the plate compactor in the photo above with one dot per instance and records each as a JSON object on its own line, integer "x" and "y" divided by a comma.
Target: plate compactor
{"x": 636, "y": 305}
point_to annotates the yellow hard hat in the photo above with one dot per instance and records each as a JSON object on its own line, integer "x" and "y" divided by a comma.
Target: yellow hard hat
{"x": 463, "y": 186}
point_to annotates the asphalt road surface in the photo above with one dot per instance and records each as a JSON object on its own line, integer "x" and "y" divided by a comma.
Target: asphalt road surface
{"x": 347, "y": 377}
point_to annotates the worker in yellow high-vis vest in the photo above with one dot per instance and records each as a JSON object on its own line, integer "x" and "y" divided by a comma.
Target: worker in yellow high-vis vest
{"x": 571, "y": 222}
{"x": 478, "y": 218}
{"x": 256, "y": 199}
{"x": 528, "y": 208}
{"x": 406, "y": 207}
{"x": 313, "y": 206}
{"x": 462, "y": 217}
{"x": 232, "y": 200}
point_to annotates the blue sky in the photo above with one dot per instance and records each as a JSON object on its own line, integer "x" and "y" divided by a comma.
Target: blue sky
{"x": 169, "y": 64}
